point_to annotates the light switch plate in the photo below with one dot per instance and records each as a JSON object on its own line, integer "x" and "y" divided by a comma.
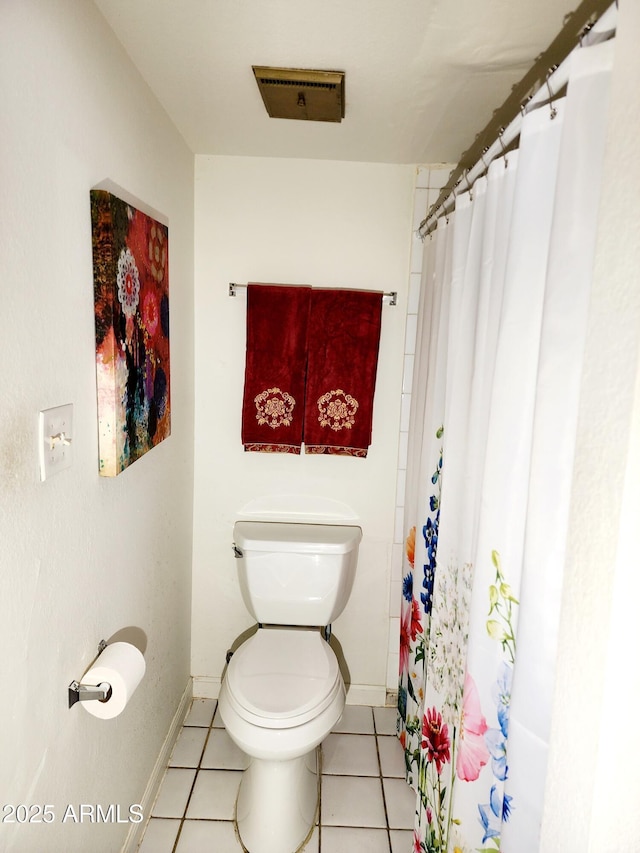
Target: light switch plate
{"x": 55, "y": 435}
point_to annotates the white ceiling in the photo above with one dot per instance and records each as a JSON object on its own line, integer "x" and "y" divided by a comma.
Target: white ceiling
{"x": 422, "y": 76}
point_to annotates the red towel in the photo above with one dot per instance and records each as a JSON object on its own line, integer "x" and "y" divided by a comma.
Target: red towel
{"x": 273, "y": 405}
{"x": 342, "y": 361}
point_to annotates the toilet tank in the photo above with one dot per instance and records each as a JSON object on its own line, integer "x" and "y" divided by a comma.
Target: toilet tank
{"x": 295, "y": 574}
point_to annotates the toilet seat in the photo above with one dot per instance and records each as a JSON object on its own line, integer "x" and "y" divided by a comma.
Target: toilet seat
{"x": 282, "y": 678}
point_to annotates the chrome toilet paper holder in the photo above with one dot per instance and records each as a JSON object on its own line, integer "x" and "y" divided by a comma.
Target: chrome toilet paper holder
{"x": 88, "y": 692}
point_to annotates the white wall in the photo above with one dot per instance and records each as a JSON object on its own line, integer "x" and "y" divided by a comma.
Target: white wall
{"x": 322, "y": 223}
{"x": 82, "y": 557}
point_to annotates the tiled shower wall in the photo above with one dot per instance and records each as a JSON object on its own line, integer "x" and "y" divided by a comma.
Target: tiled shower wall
{"x": 429, "y": 182}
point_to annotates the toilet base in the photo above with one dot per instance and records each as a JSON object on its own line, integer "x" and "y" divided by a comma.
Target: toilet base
{"x": 278, "y": 803}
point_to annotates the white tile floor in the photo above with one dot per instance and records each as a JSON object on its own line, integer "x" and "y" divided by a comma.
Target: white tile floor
{"x": 365, "y": 804}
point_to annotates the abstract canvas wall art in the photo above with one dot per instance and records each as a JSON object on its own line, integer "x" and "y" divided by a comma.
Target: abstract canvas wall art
{"x": 131, "y": 301}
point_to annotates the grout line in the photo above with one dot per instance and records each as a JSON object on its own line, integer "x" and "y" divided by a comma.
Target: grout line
{"x": 195, "y": 779}
{"x": 320, "y": 767}
{"x": 380, "y": 776}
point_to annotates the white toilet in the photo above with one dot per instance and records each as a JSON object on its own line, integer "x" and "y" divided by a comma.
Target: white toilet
{"x": 283, "y": 691}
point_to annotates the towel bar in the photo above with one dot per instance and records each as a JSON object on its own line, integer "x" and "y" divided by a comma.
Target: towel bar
{"x": 392, "y": 296}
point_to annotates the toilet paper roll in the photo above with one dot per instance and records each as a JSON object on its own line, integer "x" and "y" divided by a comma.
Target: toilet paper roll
{"x": 122, "y": 666}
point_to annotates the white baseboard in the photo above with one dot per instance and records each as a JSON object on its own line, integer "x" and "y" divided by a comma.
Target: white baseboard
{"x": 206, "y": 687}
{"x": 136, "y": 830}
{"x": 366, "y": 694}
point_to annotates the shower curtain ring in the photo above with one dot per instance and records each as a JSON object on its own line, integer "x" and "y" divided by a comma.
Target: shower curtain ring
{"x": 554, "y": 111}
{"x": 524, "y": 106}
{"x": 469, "y": 186}
{"x": 484, "y": 162}
{"x": 504, "y": 150}
{"x": 585, "y": 32}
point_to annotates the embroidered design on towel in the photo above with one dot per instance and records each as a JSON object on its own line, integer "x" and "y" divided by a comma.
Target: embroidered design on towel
{"x": 274, "y": 408}
{"x": 337, "y": 410}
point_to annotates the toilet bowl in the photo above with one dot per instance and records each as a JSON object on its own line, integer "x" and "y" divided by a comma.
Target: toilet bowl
{"x": 283, "y": 691}
{"x": 281, "y": 696}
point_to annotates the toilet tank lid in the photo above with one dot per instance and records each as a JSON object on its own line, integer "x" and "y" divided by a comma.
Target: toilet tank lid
{"x": 296, "y": 538}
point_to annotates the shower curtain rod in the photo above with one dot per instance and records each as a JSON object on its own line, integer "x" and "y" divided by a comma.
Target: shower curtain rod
{"x": 392, "y": 296}
{"x": 541, "y": 84}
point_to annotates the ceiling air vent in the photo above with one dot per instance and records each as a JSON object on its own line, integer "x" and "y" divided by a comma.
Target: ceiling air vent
{"x": 301, "y": 94}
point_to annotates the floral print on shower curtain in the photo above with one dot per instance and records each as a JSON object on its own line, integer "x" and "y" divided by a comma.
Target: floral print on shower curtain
{"x": 494, "y": 407}
{"x": 427, "y": 411}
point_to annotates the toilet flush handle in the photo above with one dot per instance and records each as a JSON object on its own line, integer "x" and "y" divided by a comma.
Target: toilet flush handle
{"x": 237, "y": 552}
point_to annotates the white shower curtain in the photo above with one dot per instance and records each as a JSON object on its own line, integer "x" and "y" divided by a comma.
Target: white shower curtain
{"x": 501, "y": 333}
